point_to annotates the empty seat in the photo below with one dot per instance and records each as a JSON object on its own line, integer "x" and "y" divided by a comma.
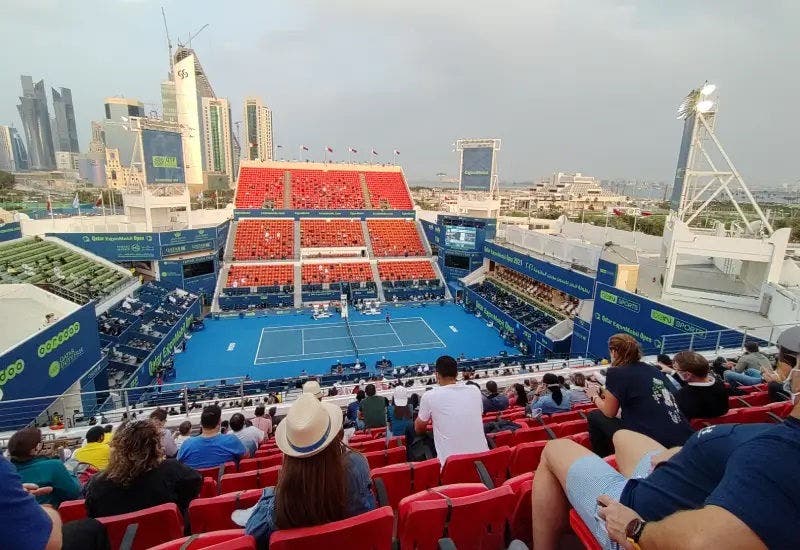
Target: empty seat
{"x": 348, "y": 272}
{"x": 569, "y": 428}
{"x": 320, "y": 189}
{"x": 256, "y": 479}
{"x": 70, "y": 510}
{"x": 229, "y": 539}
{"x": 371, "y": 530}
{"x": 557, "y": 418}
{"x": 213, "y": 514}
{"x": 536, "y": 433}
{"x": 260, "y": 463}
{"x": 260, "y": 188}
{"x": 388, "y": 190}
{"x": 520, "y": 522}
{"x": 378, "y": 459}
{"x": 395, "y": 482}
{"x": 406, "y": 271}
{"x": 331, "y": 233}
{"x": 395, "y": 237}
{"x": 260, "y": 275}
{"x": 464, "y": 468}
{"x": 155, "y": 525}
{"x": 369, "y": 446}
{"x": 263, "y": 240}
{"x": 525, "y": 457}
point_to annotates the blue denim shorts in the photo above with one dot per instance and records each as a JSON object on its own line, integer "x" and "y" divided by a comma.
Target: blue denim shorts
{"x": 591, "y": 476}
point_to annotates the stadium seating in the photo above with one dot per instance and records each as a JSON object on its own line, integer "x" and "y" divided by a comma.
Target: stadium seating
{"x": 371, "y": 530}
{"x": 395, "y": 238}
{"x": 229, "y": 539}
{"x": 254, "y": 479}
{"x": 155, "y": 525}
{"x": 385, "y": 457}
{"x": 260, "y": 275}
{"x": 525, "y": 457}
{"x": 70, "y": 510}
{"x": 336, "y": 273}
{"x": 264, "y": 240}
{"x": 406, "y": 271}
{"x": 520, "y": 522}
{"x": 258, "y": 463}
{"x": 466, "y": 468}
{"x": 260, "y": 188}
{"x": 395, "y": 482}
{"x": 529, "y": 315}
{"x": 321, "y": 189}
{"x": 214, "y": 513}
{"x": 387, "y": 190}
{"x": 331, "y": 232}
{"x": 60, "y": 270}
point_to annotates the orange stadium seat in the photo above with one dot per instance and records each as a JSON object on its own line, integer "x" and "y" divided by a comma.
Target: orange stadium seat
{"x": 214, "y": 513}
{"x": 388, "y": 190}
{"x": 264, "y": 240}
{"x": 331, "y": 232}
{"x": 229, "y": 539}
{"x": 395, "y": 238}
{"x": 406, "y": 271}
{"x": 260, "y": 275}
{"x": 260, "y": 188}
{"x": 321, "y": 189}
{"x": 336, "y": 273}
{"x": 371, "y": 530}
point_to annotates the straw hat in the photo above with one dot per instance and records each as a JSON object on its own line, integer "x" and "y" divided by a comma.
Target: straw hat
{"x": 309, "y": 427}
{"x": 400, "y": 395}
{"x": 313, "y": 387}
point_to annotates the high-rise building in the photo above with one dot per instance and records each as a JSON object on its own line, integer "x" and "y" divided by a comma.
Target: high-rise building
{"x": 217, "y": 137}
{"x": 66, "y": 131}
{"x": 20, "y": 154}
{"x": 120, "y": 109}
{"x": 7, "y": 161}
{"x": 36, "y": 124}
{"x": 257, "y": 130}
{"x": 169, "y": 106}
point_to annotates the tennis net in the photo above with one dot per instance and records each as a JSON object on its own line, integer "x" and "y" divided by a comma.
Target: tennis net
{"x": 350, "y": 334}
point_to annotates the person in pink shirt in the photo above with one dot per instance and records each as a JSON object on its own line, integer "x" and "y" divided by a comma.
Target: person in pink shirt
{"x": 263, "y": 423}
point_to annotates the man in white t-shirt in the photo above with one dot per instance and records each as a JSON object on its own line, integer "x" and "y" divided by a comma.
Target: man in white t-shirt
{"x": 250, "y": 436}
{"x": 457, "y": 413}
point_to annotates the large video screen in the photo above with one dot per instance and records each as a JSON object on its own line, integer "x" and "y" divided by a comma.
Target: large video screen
{"x": 458, "y": 262}
{"x": 459, "y": 237}
{"x": 163, "y": 157}
{"x": 476, "y": 168}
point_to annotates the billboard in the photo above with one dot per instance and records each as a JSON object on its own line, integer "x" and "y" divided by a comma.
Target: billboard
{"x": 116, "y": 247}
{"x": 683, "y": 162}
{"x": 476, "y": 168}
{"x": 163, "y": 157}
{"x": 460, "y": 238}
{"x": 607, "y": 272}
{"x": 10, "y": 231}
{"x": 298, "y": 214}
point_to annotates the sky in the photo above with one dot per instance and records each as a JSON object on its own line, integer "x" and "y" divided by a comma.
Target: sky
{"x": 589, "y": 86}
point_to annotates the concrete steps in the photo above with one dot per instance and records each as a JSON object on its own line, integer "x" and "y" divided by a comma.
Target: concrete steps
{"x": 365, "y": 190}
{"x": 298, "y": 285}
{"x": 287, "y": 190}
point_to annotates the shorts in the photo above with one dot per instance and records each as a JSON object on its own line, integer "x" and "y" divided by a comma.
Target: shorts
{"x": 591, "y": 476}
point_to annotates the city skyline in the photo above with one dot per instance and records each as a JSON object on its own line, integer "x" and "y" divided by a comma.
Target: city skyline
{"x": 589, "y": 88}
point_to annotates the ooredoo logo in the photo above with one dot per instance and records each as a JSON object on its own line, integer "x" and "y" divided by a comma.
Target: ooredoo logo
{"x": 59, "y": 339}
{"x": 11, "y": 371}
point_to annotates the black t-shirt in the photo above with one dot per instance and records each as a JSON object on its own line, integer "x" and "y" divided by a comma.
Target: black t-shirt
{"x": 170, "y": 481}
{"x": 703, "y": 401}
{"x": 646, "y": 398}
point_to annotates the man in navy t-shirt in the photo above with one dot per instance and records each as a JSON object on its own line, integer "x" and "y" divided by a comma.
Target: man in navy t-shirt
{"x": 24, "y": 524}
{"x": 211, "y": 448}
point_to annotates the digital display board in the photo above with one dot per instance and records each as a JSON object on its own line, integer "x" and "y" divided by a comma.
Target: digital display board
{"x": 459, "y": 237}
{"x": 476, "y": 168}
{"x": 163, "y": 157}
{"x": 458, "y": 262}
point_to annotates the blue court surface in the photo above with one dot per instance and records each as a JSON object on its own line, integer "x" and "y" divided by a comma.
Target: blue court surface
{"x": 277, "y": 346}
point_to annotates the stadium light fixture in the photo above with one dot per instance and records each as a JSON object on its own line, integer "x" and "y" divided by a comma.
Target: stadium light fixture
{"x": 708, "y": 89}
{"x": 705, "y": 106}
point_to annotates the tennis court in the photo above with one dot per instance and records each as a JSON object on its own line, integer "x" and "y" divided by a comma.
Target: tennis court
{"x": 329, "y": 340}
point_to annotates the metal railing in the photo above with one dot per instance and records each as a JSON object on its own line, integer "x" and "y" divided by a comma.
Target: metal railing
{"x": 765, "y": 336}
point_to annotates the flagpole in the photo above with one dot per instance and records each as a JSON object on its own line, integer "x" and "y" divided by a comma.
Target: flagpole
{"x": 326, "y": 155}
{"x": 103, "y": 206}
{"x": 301, "y": 153}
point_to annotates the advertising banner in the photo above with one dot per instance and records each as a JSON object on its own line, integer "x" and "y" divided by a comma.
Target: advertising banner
{"x": 297, "y": 214}
{"x": 203, "y": 284}
{"x": 116, "y": 247}
{"x": 163, "y": 157}
{"x": 10, "y": 231}
{"x": 616, "y": 311}
{"x": 171, "y": 273}
{"x": 606, "y": 273}
{"x": 163, "y": 351}
{"x": 222, "y": 234}
{"x": 580, "y": 338}
{"x": 175, "y": 249}
{"x": 573, "y": 283}
{"x": 476, "y": 168}
{"x": 51, "y": 361}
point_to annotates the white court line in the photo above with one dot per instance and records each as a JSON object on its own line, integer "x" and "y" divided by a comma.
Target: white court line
{"x": 299, "y": 358}
{"x": 395, "y": 334}
{"x": 303, "y": 341}
{"x": 433, "y": 332}
{"x": 258, "y": 349}
{"x": 334, "y": 324}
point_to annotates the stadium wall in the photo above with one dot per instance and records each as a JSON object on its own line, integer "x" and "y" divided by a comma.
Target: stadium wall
{"x": 298, "y": 214}
{"x": 10, "y": 231}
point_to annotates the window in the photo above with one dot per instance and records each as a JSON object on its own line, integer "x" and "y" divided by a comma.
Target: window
{"x": 198, "y": 268}
{"x": 458, "y": 262}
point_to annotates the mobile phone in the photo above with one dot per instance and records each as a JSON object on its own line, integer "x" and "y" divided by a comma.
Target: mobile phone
{"x": 601, "y": 393}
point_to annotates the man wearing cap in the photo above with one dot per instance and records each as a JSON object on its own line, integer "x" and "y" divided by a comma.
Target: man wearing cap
{"x": 312, "y": 387}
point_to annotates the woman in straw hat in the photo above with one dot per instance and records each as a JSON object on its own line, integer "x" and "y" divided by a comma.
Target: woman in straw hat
{"x": 321, "y": 479}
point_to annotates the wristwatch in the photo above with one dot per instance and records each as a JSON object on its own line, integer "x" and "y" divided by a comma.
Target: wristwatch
{"x": 633, "y": 531}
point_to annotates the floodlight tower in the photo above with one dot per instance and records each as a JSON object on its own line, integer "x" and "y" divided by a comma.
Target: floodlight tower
{"x": 704, "y": 168}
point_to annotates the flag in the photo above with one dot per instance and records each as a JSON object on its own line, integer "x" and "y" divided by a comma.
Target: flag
{"x": 99, "y": 201}
{"x": 374, "y": 152}
{"x": 75, "y": 202}
{"x": 353, "y": 150}
{"x": 618, "y": 212}
{"x": 646, "y": 213}
{"x": 49, "y": 204}
{"x": 304, "y": 148}
{"x": 396, "y": 152}
{"x": 279, "y": 146}
{"x": 330, "y": 149}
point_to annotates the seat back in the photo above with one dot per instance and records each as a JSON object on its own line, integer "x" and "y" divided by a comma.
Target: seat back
{"x": 156, "y": 525}
{"x": 506, "y": 437}
{"x": 525, "y": 457}
{"x": 535, "y": 433}
{"x": 582, "y": 439}
{"x": 571, "y": 427}
{"x": 521, "y": 519}
{"x": 401, "y": 480}
{"x": 209, "y": 488}
{"x": 213, "y": 514}
{"x": 476, "y": 520}
{"x": 385, "y": 457}
{"x": 557, "y": 418}
{"x": 230, "y": 539}
{"x": 70, "y": 510}
{"x": 583, "y": 532}
{"x": 370, "y": 445}
{"x": 372, "y": 530}
{"x": 217, "y": 472}
{"x": 463, "y": 469}
{"x": 256, "y": 479}
{"x": 260, "y": 463}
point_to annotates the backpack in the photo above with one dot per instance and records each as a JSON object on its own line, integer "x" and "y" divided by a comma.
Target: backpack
{"x": 500, "y": 426}
{"x": 84, "y": 472}
{"x": 422, "y": 448}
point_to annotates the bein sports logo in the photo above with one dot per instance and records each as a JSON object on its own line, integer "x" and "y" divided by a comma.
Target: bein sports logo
{"x": 54, "y": 342}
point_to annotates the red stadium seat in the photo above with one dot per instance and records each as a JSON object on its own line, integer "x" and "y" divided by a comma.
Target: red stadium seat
{"x": 371, "y": 530}
{"x": 406, "y": 271}
{"x": 400, "y": 480}
{"x": 368, "y": 446}
{"x": 321, "y": 189}
{"x": 470, "y": 514}
{"x": 538, "y": 433}
{"x": 209, "y": 488}
{"x": 263, "y": 240}
{"x": 331, "y": 233}
{"x": 464, "y": 468}
{"x": 396, "y": 237}
{"x": 582, "y": 532}
{"x": 569, "y": 428}
{"x": 521, "y": 520}
{"x": 557, "y": 418}
{"x": 213, "y": 514}
{"x": 525, "y": 457}
{"x": 230, "y": 539}
{"x": 260, "y": 188}
{"x": 388, "y": 190}
{"x": 260, "y": 275}
{"x": 256, "y": 479}
{"x": 506, "y": 437}
{"x": 349, "y": 272}
{"x": 70, "y": 510}
{"x": 260, "y": 463}
{"x": 155, "y": 526}
{"x": 756, "y": 399}
{"x": 385, "y": 457}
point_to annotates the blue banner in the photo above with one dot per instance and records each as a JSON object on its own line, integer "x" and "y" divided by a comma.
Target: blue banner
{"x": 202, "y": 284}
{"x": 116, "y": 247}
{"x": 171, "y": 273}
{"x": 573, "y": 283}
{"x": 222, "y": 234}
{"x": 52, "y": 360}
{"x": 607, "y": 273}
{"x": 10, "y": 231}
{"x": 167, "y": 346}
{"x": 186, "y": 236}
{"x": 476, "y": 168}
{"x": 617, "y": 311}
{"x": 580, "y": 337}
{"x": 173, "y": 250}
{"x": 298, "y": 214}
{"x": 163, "y": 157}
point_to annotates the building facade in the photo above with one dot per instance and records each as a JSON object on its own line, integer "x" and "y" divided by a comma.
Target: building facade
{"x": 66, "y": 131}
{"x": 35, "y": 117}
{"x": 217, "y": 136}
{"x": 257, "y": 130}
{"x": 7, "y": 161}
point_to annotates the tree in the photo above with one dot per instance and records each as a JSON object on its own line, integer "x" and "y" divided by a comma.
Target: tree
{"x": 6, "y": 180}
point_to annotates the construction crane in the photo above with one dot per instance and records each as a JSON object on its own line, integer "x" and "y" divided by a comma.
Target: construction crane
{"x": 169, "y": 40}
{"x": 193, "y": 36}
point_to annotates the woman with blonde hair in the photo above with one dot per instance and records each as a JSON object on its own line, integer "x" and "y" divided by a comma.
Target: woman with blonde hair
{"x": 642, "y": 393}
{"x": 138, "y": 476}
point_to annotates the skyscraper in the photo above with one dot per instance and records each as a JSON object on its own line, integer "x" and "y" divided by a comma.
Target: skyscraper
{"x": 20, "y": 154}
{"x": 7, "y": 162}
{"x": 36, "y": 124}
{"x": 66, "y": 132}
{"x": 217, "y": 142}
{"x": 257, "y": 130}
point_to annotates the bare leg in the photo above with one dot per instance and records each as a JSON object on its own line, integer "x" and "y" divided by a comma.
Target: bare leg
{"x": 550, "y": 504}
{"x": 630, "y": 447}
